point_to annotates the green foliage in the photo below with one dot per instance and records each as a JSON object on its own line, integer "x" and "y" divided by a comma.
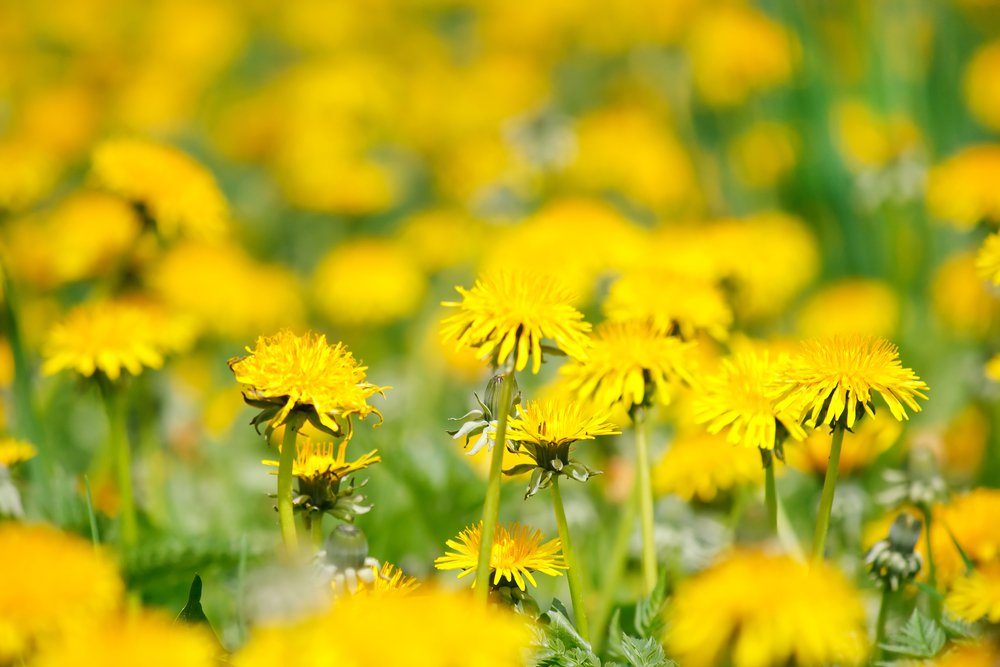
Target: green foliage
{"x": 920, "y": 637}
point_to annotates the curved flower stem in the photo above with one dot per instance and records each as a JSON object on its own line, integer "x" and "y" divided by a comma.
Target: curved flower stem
{"x": 935, "y": 603}
{"x": 573, "y": 574}
{"x": 883, "y": 616}
{"x": 771, "y": 496}
{"x": 114, "y": 404}
{"x": 829, "y": 486}
{"x": 645, "y": 491}
{"x": 286, "y": 513}
{"x": 491, "y": 506}
{"x": 615, "y": 567}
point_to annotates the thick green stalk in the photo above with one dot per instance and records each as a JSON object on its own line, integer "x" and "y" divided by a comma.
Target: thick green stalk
{"x": 286, "y": 463}
{"x": 645, "y": 486}
{"x": 316, "y": 530}
{"x": 573, "y": 574}
{"x": 826, "y": 501}
{"x": 771, "y": 497}
{"x": 491, "y": 506}
{"x": 114, "y": 403}
{"x": 883, "y": 616}
{"x": 615, "y": 567}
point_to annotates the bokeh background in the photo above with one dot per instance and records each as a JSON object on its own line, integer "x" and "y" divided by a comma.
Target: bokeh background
{"x": 796, "y": 168}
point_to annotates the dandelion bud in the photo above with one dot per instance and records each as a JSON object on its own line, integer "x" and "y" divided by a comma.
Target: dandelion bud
{"x": 346, "y": 547}
{"x": 893, "y": 560}
{"x": 494, "y": 391}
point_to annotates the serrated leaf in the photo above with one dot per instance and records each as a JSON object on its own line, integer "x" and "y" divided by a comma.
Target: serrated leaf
{"x": 649, "y": 611}
{"x": 644, "y": 652}
{"x": 956, "y": 628}
{"x": 920, "y": 637}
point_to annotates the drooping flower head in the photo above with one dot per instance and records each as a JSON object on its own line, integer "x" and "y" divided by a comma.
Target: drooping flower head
{"x": 675, "y": 303}
{"x": 832, "y": 380}
{"x": 629, "y": 364}
{"x": 741, "y": 399}
{"x": 547, "y": 429}
{"x": 518, "y": 552}
{"x": 285, "y": 372}
{"x": 506, "y": 316}
{"x": 753, "y": 609}
{"x": 179, "y": 195}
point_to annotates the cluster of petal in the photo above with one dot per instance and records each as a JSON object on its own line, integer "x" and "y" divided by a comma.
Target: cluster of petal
{"x": 326, "y": 460}
{"x": 673, "y": 302}
{"x": 764, "y": 610}
{"x": 13, "y": 452}
{"x": 977, "y": 594}
{"x": 518, "y": 552}
{"x": 830, "y": 379}
{"x": 700, "y": 465}
{"x": 554, "y": 421}
{"x": 506, "y": 316}
{"x": 389, "y": 580}
{"x": 291, "y": 371}
{"x": 741, "y": 399}
{"x": 628, "y": 364}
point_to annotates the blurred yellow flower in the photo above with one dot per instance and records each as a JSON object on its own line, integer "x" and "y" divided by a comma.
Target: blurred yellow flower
{"x": 829, "y": 380}
{"x": 968, "y": 520}
{"x": 439, "y": 239}
{"x": 869, "y": 139}
{"x": 961, "y": 190}
{"x": 699, "y": 465}
{"x": 755, "y": 610}
{"x": 737, "y": 51}
{"x": 764, "y": 154}
{"x": 28, "y": 175}
{"x": 961, "y": 300}
{"x": 964, "y": 442}
{"x": 55, "y": 583}
{"x": 388, "y": 580}
{"x": 629, "y": 364}
{"x": 988, "y": 259}
{"x": 177, "y": 193}
{"x": 142, "y": 639}
{"x": 980, "y": 85}
{"x": 286, "y": 372}
{"x": 506, "y": 316}
{"x": 367, "y": 282}
{"x": 13, "y": 452}
{"x": 871, "y": 438}
{"x": 518, "y": 552}
{"x": 977, "y": 594}
{"x": 675, "y": 303}
{"x": 981, "y": 654}
{"x": 861, "y": 306}
{"x": 60, "y": 118}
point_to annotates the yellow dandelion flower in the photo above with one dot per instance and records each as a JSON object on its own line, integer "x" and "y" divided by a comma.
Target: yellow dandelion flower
{"x": 962, "y": 301}
{"x": 179, "y": 194}
{"x": 988, "y": 259}
{"x": 452, "y": 628}
{"x": 506, "y": 316}
{"x": 872, "y": 438}
{"x": 969, "y": 520}
{"x": 107, "y": 337}
{"x": 851, "y": 306}
{"x": 518, "y": 552}
{"x": 286, "y": 372}
{"x": 831, "y": 379}
{"x": 388, "y": 580}
{"x": 961, "y": 190}
{"x": 872, "y": 140}
{"x": 981, "y": 654}
{"x": 982, "y": 91}
{"x": 325, "y": 460}
{"x": 764, "y": 154}
{"x": 13, "y": 452}
{"x": 753, "y": 609}
{"x": 742, "y": 400}
{"x": 30, "y": 174}
{"x": 553, "y": 423}
{"x": 392, "y": 288}
{"x": 145, "y": 639}
{"x": 60, "y": 582}
{"x": 977, "y": 595}
{"x": 673, "y": 302}
{"x": 629, "y": 364}
{"x": 700, "y": 465}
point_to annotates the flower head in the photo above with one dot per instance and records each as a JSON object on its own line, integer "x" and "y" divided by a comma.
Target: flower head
{"x": 506, "y": 316}
{"x": 832, "y": 379}
{"x": 961, "y": 190}
{"x": 761, "y": 609}
{"x": 741, "y": 400}
{"x": 977, "y": 594}
{"x": 179, "y": 194}
{"x": 629, "y": 364}
{"x": 700, "y": 465}
{"x": 286, "y": 372}
{"x": 13, "y": 452}
{"x": 968, "y": 520}
{"x": 390, "y": 580}
{"x": 517, "y": 554}
{"x": 60, "y": 583}
{"x": 988, "y": 259}
{"x": 851, "y": 306}
{"x": 674, "y": 303}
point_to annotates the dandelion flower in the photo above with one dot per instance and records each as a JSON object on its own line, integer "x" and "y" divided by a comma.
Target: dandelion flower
{"x": 756, "y": 609}
{"x": 506, "y": 316}
{"x": 179, "y": 194}
{"x": 852, "y": 306}
{"x": 977, "y": 594}
{"x": 389, "y": 580}
{"x": 60, "y": 583}
{"x": 980, "y": 654}
{"x": 145, "y": 639}
{"x": 832, "y": 379}
{"x": 741, "y": 399}
{"x": 518, "y": 552}
{"x": 316, "y": 461}
{"x": 963, "y": 302}
{"x": 285, "y": 372}
{"x": 107, "y": 337}
{"x": 962, "y": 189}
{"x": 673, "y": 302}
{"x": 982, "y": 92}
{"x": 13, "y": 452}
{"x": 700, "y": 465}
{"x": 988, "y": 259}
{"x": 629, "y": 364}
{"x": 968, "y": 520}
{"x": 29, "y": 175}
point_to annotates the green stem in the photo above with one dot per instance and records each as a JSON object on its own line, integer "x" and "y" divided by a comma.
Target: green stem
{"x": 771, "y": 497}
{"x": 826, "y": 501}
{"x": 645, "y": 503}
{"x": 316, "y": 530}
{"x": 615, "y": 568}
{"x": 883, "y": 616}
{"x": 286, "y": 464}
{"x": 491, "y": 506}
{"x": 114, "y": 403}
{"x": 935, "y": 602}
{"x": 573, "y": 574}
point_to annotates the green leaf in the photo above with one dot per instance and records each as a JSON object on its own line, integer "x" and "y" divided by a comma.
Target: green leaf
{"x": 519, "y": 469}
{"x": 956, "y": 628}
{"x": 192, "y": 611}
{"x": 920, "y": 637}
{"x": 644, "y": 652}
{"x": 558, "y": 644}
{"x": 649, "y": 611}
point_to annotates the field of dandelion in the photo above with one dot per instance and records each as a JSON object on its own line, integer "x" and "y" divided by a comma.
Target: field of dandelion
{"x": 440, "y": 333}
